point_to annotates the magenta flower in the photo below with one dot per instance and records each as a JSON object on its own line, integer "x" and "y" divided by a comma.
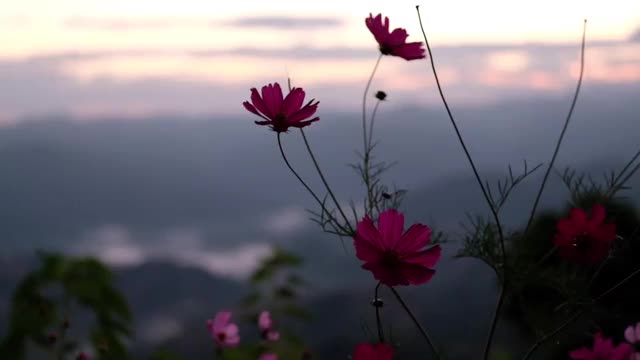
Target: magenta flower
{"x": 603, "y": 349}
{"x": 395, "y": 258}
{"x": 632, "y": 335}
{"x": 582, "y": 239}
{"x": 223, "y": 331}
{"x": 281, "y": 114}
{"x": 393, "y": 43}
{"x": 268, "y": 356}
{"x": 366, "y": 351}
{"x": 266, "y": 326}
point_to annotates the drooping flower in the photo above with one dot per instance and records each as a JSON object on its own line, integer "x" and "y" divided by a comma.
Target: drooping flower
{"x": 393, "y": 43}
{"x": 268, "y": 356}
{"x": 394, "y": 257}
{"x": 585, "y": 239}
{"x": 379, "y": 351}
{"x": 632, "y": 335}
{"x": 223, "y": 331}
{"x": 279, "y": 113}
{"x": 266, "y": 326}
{"x": 603, "y": 349}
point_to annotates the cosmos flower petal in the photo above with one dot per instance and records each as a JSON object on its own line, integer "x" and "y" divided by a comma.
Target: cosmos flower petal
{"x": 366, "y": 351}
{"x": 578, "y": 217}
{"x": 410, "y": 51}
{"x": 293, "y": 102}
{"x": 390, "y": 225}
{"x": 259, "y": 104}
{"x": 367, "y": 251}
{"x": 426, "y": 258}
{"x": 414, "y": 239}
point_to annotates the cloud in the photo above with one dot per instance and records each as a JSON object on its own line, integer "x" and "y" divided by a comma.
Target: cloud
{"x": 155, "y": 23}
{"x": 285, "y": 22}
{"x": 116, "y": 246}
{"x": 128, "y": 24}
{"x": 140, "y": 83}
{"x": 286, "y": 221}
{"x": 13, "y": 21}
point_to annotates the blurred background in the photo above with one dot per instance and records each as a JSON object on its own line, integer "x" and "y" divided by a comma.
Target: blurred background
{"x": 123, "y": 136}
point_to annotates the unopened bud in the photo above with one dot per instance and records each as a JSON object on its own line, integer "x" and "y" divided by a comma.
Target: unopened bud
{"x": 381, "y": 95}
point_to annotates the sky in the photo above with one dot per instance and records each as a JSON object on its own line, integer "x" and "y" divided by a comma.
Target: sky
{"x": 92, "y": 58}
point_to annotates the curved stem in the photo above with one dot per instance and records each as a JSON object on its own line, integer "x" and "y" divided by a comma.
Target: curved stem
{"x": 577, "y": 315}
{"x": 284, "y": 157}
{"x": 564, "y": 130}
{"x": 416, "y": 322}
{"x": 326, "y": 185}
{"x": 378, "y": 320}
{"x": 364, "y": 101}
{"x": 500, "y": 302}
{"x": 367, "y": 145}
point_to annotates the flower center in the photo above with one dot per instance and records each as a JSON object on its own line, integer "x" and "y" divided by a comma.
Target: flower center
{"x": 390, "y": 258}
{"x": 386, "y": 49}
{"x": 280, "y": 122}
{"x": 222, "y": 336}
{"x": 581, "y": 241}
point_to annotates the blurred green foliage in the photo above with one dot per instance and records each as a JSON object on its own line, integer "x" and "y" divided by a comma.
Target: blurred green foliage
{"x": 38, "y": 310}
{"x": 275, "y": 287}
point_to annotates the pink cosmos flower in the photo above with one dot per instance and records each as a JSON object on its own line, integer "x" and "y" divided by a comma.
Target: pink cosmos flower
{"x": 366, "y": 351}
{"x": 585, "y": 239}
{"x": 394, "y": 257}
{"x": 266, "y": 325}
{"x": 223, "y": 331}
{"x": 268, "y": 357}
{"x": 393, "y": 43}
{"x": 603, "y": 349}
{"x": 279, "y": 113}
{"x": 632, "y": 335}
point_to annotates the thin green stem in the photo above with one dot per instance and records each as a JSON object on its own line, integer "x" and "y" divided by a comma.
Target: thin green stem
{"x": 286, "y": 161}
{"x": 371, "y": 122}
{"x": 366, "y": 145}
{"x": 493, "y": 210}
{"x": 326, "y": 184}
{"x": 378, "y": 320}
{"x": 564, "y": 130}
{"x": 416, "y": 322}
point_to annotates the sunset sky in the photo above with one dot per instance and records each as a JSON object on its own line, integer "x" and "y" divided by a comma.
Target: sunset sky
{"x": 89, "y": 57}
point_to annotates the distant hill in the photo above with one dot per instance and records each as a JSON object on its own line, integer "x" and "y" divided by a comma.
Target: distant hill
{"x": 635, "y": 37}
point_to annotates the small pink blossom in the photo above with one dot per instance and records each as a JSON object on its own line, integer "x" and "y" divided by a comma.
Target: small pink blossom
{"x": 393, "y": 43}
{"x": 394, "y": 257}
{"x": 223, "y": 331}
{"x": 266, "y": 326}
{"x": 268, "y": 356}
{"x": 585, "y": 239}
{"x": 632, "y": 335}
{"x": 603, "y": 349}
{"x": 279, "y": 113}
{"x": 379, "y": 351}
